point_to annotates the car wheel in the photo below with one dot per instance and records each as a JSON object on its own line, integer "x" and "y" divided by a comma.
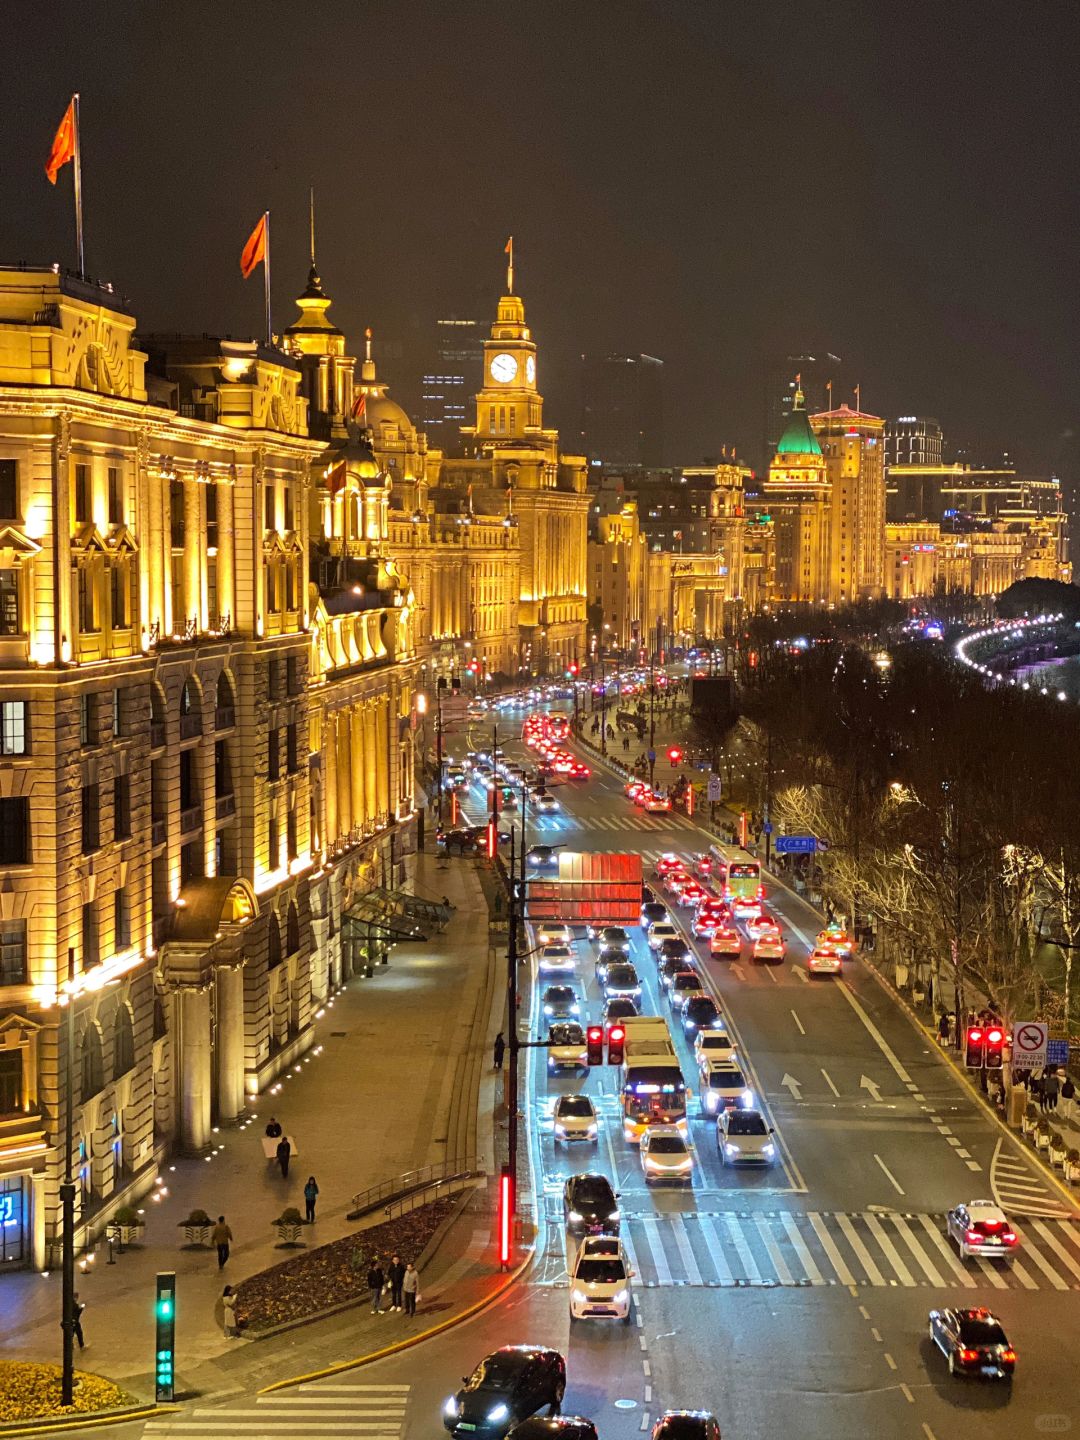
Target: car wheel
{"x": 629, "y": 1314}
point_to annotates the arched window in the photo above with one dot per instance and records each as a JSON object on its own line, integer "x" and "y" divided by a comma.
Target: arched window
{"x": 123, "y": 1042}
{"x": 158, "y": 712}
{"x": 91, "y": 1064}
{"x": 225, "y": 706}
{"x": 190, "y": 709}
{"x": 292, "y": 931}
{"x": 273, "y": 935}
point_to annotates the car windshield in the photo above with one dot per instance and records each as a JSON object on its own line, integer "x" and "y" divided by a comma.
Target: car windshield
{"x": 982, "y": 1332}
{"x": 498, "y": 1370}
{"x": 591, "y": 1190}
{"x": 667, "y": 1145}
{"x": 556, "y": 951}
{"x": 601, "y": 1272}
{"x": 576, "y": 1105}
{"x": 704, "y": 1006}
{"x": 567, "y": 1034}
{"x": 744, "y": 1123}
{"x": 613, "y": 935}
{"x": 653, "y": 911}
{"x": 558, "y": 994}
{"x": 727, "y": 1080}
{"x": 622, "y": 975}
{"x": 686, "y": 981}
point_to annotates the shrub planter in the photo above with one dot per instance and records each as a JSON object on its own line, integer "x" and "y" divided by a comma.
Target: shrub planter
{"x": 1057, "y": 1150}
{"x": 1072, "y": 1166}
{"x": 1030, "y": 1120}
{"x": 126, "y": 1227}
{"x": 289, "y": 1226}
{"x": 197, "y": 1228}
{"x": 1042, "y": 1135}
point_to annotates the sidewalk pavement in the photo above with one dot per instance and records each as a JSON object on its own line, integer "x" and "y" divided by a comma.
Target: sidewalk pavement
{"x": 399, "y": 1077}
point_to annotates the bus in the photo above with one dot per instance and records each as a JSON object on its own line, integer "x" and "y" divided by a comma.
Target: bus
{"x": 653, "y": 1093}
{"x": 738, "y": 877}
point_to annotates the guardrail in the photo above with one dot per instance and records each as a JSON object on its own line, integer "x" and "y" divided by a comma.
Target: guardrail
{"x": 436, "y": 1190}
{"x": 402, "y": 1186}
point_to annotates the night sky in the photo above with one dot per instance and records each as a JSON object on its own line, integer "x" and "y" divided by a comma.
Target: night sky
{"x": 715, "y": 183}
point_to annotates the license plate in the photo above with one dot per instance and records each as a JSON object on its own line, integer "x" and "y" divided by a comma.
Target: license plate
{"x": 466, "y": 1427}
{"x": 993, "y": 1370}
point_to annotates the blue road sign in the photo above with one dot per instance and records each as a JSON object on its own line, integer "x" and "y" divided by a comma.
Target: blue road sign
{"x": 795, "y": 845}
{"x": 767, "y": 827}
{"x": 1057, "y": 1052}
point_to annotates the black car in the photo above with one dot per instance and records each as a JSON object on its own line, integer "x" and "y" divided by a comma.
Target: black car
{"x": 620, "y": 1007}
{"x": 457, "y": 842}
{"x": 648, "y": 895}
{"x": 507, "y": 1386}
{"x": 606, "y": 959}
{"x": 668, "y": 969}
{"x": 541, "y": 854}
{"x": 651, "y": 912}
{"x": 590, "y": 1204}
{"x": 554, "y": 1427}
{"x": 700, "y": 1012}
{"x": 973, "y": 1342}
{"x": 673, "y": 949}
{"x": 614, "y": 937}
{"x": 686, "y": 1425}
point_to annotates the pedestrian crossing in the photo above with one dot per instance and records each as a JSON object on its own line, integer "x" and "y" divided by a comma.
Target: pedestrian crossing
{"x": 1018, "y": 1189}
{"x": 373, "y": 1412}
{"x": 877, "y": 1248}
{"x": 553, "y": 821}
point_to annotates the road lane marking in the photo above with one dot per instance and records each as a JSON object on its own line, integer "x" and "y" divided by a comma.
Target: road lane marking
{"x": 1025, "y": 1279}
{"x": 646, "y": 1368}
{"x": 802, "y": 1250}
{"x": 800, "y": 974}
{"x": 828, "y": 1081}
{"x": 843, "y": 1274}
{"x": 656, "y": 1245}
{"x": 890, "y": 1361}
{"x": 1051, "y": 1240}
{"x": 864, "y": 1312}
{"x": 889, "y": 1174}
{"x": 990, "y": 1272}
{"x": 798, "y": 1022}
{"x": 920, "y": 1255}
{"x": 772, "y": 975}
{"x": 875, "y": 1332}
{"x": 908, "y": 1396}
{"x": 873, "y": 1273}
{"x": 1036, "y": 1255}
{"x": 716, "y": 1250}
{"x": 686, "y": 1254}
{"x": 874, "y": 1225}
{"x": 739, "y": 1241}
{"x": 782, "y": 1271}
{"x": 928, "y": 1432}
{"x": 879, "y": 1039}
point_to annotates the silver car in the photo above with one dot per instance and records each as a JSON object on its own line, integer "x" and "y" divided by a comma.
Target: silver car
{"x": 743, "y": 1138}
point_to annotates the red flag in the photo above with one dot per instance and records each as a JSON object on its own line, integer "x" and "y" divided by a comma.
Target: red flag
{"x": 63, "y": 145}
{"x": 255, "y": 249}
{"x": 359, "y": 408}
{"x": 336, "y": 477}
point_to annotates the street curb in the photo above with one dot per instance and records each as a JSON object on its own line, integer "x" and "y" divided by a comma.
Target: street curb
{"x": 410, "y": 1341}
{"x": 56, "y": 1424}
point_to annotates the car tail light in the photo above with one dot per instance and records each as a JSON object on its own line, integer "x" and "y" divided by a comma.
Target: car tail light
{"x": 968, "y": 1357}
{"x": 973, "y": 1237}
{"x": 1009, "y": 1237}
{"x": 1009, "y": 1355}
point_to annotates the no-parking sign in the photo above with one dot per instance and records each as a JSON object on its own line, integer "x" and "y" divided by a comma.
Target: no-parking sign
{"x": 1029, "y": 1045}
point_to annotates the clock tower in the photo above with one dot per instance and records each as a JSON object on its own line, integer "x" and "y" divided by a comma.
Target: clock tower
{"x": 509, "y": 408}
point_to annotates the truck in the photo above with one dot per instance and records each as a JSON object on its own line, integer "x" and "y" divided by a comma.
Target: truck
{"x": 653, "y": 1091}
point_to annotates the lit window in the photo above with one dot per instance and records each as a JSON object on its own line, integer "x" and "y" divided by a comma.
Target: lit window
{"x": 13, "y": 730}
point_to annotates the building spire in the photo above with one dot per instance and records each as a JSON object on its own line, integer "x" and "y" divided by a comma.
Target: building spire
{"x": 510, "y": 265}
{"x": 311, "y": 203}
{"x": 800, "y": 399}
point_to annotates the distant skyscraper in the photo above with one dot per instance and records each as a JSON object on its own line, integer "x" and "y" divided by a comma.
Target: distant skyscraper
{"x": 622, "y": 409}
{"x": 454, "y": 377}
{"x": 816, "y": 372}
{"x": 913, "y": 440}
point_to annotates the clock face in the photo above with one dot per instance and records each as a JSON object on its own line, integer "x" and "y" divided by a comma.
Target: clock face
{"x": 530, "y": 369}
{"x": 504, "y": 368}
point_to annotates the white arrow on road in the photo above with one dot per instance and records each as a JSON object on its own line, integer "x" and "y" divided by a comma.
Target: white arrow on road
{"x": 790, "y": 1083}
{"x": 867, "y": 1084}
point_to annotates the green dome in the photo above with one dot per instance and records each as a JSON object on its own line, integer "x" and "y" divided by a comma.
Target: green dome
{"x": 798, "y": 438}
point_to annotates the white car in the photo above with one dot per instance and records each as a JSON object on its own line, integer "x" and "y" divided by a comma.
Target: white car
{"x": 760, "y": 923}
{"x": 713, "y": 1046}
{"x": 769, "y": 945}
{"x": 981, "y": 1228}
{"x": 600, "y": 1281}
{"x": 661, "y": 931}
{"x": 554, "y": 932}
{"x": 743, "y": 1138}
{"x": 545, "y": 803}
{"x": 557, "y": 960}
{"x": 575, "y": 1119}
{"x": 666, "y": 1155}
{"x": 567, "y": 1048}
{"x": 824, "y": 962}
{"x": 724, "y": 1087}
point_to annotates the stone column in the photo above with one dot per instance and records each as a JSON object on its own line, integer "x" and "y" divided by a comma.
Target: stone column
{"x": 165, "y": 498}
{"x": 226, "y": 555}
{"x": 372, "y": 765}
{"x": 329, "y": 786}
{"x": 158, "y": 555}
{"x": 382, "y": 747}
{"x": 358, "y": 758}
{"x": 230, "y": 1042}
{"x": 344, "y": 774}
{"x": 194, "y": 1068}
{"x": 193, "y": 548}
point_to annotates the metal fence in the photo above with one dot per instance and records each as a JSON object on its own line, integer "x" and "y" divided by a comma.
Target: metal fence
{"x": 401, "y": 1187}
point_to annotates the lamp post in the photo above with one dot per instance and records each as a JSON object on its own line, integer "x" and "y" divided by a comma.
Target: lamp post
{"x": 440, "y": 686}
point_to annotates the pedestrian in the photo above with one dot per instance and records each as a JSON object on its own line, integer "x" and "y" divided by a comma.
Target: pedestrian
{"x": 273, "y": 1129}
{"x": 499, "y": 1050}
{"x": 1068, "y": 1098}
{"x": 396, "y": 1276}
{"x": 311, "y": 1191}
{"x": 943, "y": 1029}
{"x": 77, "y": 1308}
{"x": 284, "y": 1150}
{"x": 228, "y": 1313}
{"x": 410, "y": 1287}
{"x": 1051, "y": 1086}
{"x": 376, "y": 1280}
{"x": 222, "y": 1238}
{"x": 1035, "y": 1085}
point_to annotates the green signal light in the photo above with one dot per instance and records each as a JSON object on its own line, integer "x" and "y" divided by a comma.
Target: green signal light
{"x": 165, "y": 1309}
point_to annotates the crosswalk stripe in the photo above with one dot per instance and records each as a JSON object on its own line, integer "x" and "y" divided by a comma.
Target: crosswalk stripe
{"x": 809, "y": 1265}
{"x": 1025, "y": 1279}
{"x": 843, "y": 1274}
{"x": 716, "y": 1250}
{"x": 655, "y": 1244}
{"x": 921, "y": 1258}
{"x": 1058, "y": 1249}
{"x": 686, "y": 1253}
{"x": 323, "y": 1389}
{"x": 959, "y": 1272}
{"x": 385, "y": 1403}
{"x": 873, "y": 1274}
{"x": 745, "y": 1257}
{"x": 782, "y": 1271}
{"x": 226, "y": 1425}
{"x": 989, "y": 1271}
{"x": 873, "y": 1224}
{"x": 1034, "y": 1254}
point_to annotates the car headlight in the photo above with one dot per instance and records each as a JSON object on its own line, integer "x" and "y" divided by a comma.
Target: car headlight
{"x": 500, "y": 1412}
{"x": 769, "y": 1150}
{"x": 748, "y": 1099}
{"x": 620, "y": 1297}
{"x": 710, "y": 1101}
{"x": 560, "y": 1129}
{"x": 549, "y": 1009}
{"x": 614, "y": 1215}
{"x": 574, "y": 1218}
{"x": 591, "y": 1131}
{"x": 452, "y": 1406}
{"x": 731, "y": 1150}
{"x": 580, "y": 1297}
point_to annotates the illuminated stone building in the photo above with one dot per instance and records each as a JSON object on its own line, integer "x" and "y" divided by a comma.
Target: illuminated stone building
{"x": 797, "y": 494}
{"x": 514, "y": 470}
{"x": 852, "y": 444}
{"x": 616, "y": 578}
{"x": 155, "y": 834}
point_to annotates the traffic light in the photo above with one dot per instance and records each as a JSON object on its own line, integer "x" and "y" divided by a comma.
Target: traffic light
{"x": 995, "y": 1045}
{"x": 165, "y": 1337}
{"x": 975, "y": 1048}
{"x": 594, "y": 1042}
{"x": 572, "y": 669}
{"x": 473, "y": 666}
{"x": 674, "y": 754}
{"x": 616, "y": 1041}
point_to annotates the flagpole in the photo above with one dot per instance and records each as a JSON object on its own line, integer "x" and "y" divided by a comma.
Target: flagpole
{"x": 266, "y": 279}
{"x": 78, "y": 191}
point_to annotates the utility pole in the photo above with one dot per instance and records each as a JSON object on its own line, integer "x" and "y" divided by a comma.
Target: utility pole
{"x": 652, "y": 723}
{"x": 440, "y": 686}
{"x": 768, "y": 799}
{"x": 67, "y": 1200}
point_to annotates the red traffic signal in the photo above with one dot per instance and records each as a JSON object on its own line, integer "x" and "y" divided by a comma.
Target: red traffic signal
{"x": 975, "y": 1048}
{"x": 473, "y": 666}
{"x": 594, "y": 1041}
{"x": 572, "y": 668}
{"x": 995, "y": 1046}
{"x": 616, "y": 1042}
{"x": 674, "y": 753}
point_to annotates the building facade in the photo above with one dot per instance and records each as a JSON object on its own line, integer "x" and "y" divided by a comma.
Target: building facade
{"x": 797, "y": 494}
{"x": 913, "y": 440}
{"x": 622, "y": 410}
{"x": 852, "y": 443}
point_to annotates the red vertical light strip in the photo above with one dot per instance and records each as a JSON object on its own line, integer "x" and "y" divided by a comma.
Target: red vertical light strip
{"x": 506, "y": 1216}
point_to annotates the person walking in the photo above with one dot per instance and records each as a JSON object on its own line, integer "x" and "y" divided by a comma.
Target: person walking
{"x": 1051, "y": 1086}
{"x": 222, "y": 1238}
{"x": 499, "y": 1050}
{"x": 76, "y": 1322}
{"x": 410, "y": 1288}
{"x": 396, "y": 1276}
{"x": 228, "y": 1313}
{"x": 376, "y": 1280}
{"x": 284, "y": 1150}
{"x": 943, "y": 1029}
{"x": 311, "y": 1193}
{"x": 1068, "y": 1098}
{"x": 1035, "y": 1085}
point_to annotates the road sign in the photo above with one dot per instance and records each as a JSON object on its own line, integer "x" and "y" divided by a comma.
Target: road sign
{"x": 716, "y": 789}
{"x": 822, "y": 844}
{"x": 795, "y": 845}
{"x": 1029, "y": 1045}
{"x": 1057, "y": 1052}
{"x": 767, "y": 827}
